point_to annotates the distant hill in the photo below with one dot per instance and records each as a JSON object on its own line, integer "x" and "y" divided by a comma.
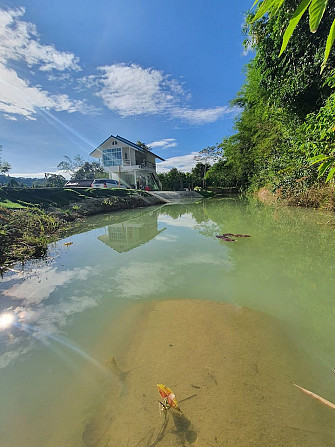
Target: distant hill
{"x": 23, "y": 181}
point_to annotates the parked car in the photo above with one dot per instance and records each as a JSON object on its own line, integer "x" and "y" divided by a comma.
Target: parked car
{"x": 78, "y": 184}
{"x": 106, "y": 183}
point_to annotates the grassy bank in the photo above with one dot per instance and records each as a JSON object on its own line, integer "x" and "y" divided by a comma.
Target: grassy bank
{"x": 318, "y": 197}
{"x": 31, "y": 218}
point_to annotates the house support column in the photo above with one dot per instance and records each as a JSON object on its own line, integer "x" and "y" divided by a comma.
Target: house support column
{"x": 135, "y": 179}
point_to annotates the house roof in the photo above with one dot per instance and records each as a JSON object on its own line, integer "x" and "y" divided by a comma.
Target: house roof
{"x": 125, "y": 141}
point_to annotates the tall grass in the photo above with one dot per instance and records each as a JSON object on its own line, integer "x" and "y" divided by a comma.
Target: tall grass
{"x": 25, "y": 233}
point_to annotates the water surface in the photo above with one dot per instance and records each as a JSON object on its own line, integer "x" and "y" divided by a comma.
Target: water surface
{"x": 67, "y": 306}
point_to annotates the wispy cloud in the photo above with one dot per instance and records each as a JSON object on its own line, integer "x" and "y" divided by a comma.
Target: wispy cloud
{"x": 20, "y": 41}
{"x": 131, "y": 90}
{"x": 184, "y": 163}
{"x": 165, "y": 143}
{"x": 202, "y": 116}
{"x": 126, "y": 89}
{"x": 18, "y": 97}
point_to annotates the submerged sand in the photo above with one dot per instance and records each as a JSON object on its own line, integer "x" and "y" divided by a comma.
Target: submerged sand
{"x": 231, "y": 370}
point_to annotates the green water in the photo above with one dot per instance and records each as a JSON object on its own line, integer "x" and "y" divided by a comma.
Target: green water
{"x": 52, "y": 357}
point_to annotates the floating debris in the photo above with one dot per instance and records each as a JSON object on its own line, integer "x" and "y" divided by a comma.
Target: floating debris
{"x": 169, "y": 399}
{"x": 228, "y": 237}
{"x": 316, "y": 396}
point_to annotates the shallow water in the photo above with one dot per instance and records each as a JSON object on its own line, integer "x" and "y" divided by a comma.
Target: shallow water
{"x": 66, "y": 307}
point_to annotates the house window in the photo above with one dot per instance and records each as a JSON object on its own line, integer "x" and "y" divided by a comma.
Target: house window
{"x": 112, "y": 157}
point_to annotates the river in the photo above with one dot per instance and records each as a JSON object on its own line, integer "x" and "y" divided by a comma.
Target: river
{"x": 61, "y": 315}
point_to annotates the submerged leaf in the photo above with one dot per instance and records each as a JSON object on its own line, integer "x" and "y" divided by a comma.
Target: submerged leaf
{"x": 168, "y": 395}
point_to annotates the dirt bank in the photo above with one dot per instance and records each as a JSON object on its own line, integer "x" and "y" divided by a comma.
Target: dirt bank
{"x": 231, "y": 370}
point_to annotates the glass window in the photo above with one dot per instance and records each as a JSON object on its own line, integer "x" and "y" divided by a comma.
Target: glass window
{"x": 112, "y": 157}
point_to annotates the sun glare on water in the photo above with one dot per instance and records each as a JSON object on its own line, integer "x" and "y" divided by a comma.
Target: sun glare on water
{"x": 6, "y": 320}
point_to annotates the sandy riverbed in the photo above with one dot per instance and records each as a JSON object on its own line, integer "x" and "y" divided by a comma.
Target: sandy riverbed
{"x": 231, "y": 370}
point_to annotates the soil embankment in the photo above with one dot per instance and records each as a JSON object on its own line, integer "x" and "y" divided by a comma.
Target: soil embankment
{"x": 231, "y": 371}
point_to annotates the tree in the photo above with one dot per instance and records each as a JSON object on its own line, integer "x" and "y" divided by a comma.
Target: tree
{"x": 90, "y": 171}
{"x": 198, "y": 174}
{"x": 71, "y": 166}
{"x": 13, "y": 183}
{"x": 143, "y": 145}
{"x": 54, "y": 180}
{"x": 316, "y": 10}
{"x": 206, "y": 158}
{"x": 4, "y": 165}
{"x": 79, "y": 169}
{"x": 173, "y": 180}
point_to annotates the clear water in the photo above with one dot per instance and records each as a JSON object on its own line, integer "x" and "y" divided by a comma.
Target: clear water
{"x": 52, "y": 358}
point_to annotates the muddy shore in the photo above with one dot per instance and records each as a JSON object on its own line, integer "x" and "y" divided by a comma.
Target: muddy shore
{"x": 231, "y": 370}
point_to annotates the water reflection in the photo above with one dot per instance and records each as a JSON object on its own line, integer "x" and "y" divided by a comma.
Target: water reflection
{"x": 68, "y": 305}
{"x": 32, "y": 312}
{"x": 129, "y": 234}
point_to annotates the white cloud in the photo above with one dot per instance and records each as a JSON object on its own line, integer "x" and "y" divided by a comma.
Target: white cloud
{"x": 164, "y": 144}
{"x": 132, "y": 90}
{"x": 186, "y": 221}
{"x": 35, "y": 314}
{"x": 20, "y": 41}
{"x": 43, "y": 282}
{"x": 38, "y": 174}
{"x": 202, "y": 116}
{"x": 18, "y": 97}
{"x": 184, "y": 163}
{"x": 141, "y": 279}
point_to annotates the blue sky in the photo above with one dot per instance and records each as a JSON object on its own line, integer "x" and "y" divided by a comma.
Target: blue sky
{"x": 74, "y": 72}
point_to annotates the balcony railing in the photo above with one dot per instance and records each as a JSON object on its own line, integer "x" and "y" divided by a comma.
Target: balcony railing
{"x": 148, "y": 164}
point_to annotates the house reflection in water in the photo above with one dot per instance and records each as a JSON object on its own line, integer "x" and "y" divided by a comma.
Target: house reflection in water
{"x": 132, "y": 233}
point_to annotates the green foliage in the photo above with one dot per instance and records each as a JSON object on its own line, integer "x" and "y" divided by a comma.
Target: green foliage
{"x": 173, "y": 180}
{"x": 292, "y": 81}
{"x": 54, "y": 180}
{"x": 284, "y": 136}
{"x": 316, "y": 10}
{"x": 143, "y": 145}
{"x": 319, "y": 139}
{"x": 89, "y": 171}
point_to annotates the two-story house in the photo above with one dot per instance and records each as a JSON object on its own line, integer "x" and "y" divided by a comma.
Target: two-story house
{"x": 132, "y": 165}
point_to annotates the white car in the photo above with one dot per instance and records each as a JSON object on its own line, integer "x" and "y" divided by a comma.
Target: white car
{"x": 106, "y": 183}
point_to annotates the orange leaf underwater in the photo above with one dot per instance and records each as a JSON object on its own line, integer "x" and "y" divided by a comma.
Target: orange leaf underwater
{"x": 168, "y": 395}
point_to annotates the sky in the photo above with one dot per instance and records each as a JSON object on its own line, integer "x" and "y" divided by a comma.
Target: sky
{"x": 73, "y": 72}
